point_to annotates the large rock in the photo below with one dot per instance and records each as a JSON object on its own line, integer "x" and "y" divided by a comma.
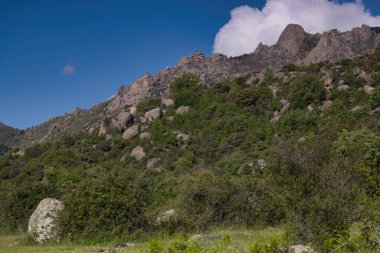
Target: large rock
{"x": 133, "y": 111}
{"x": 138, "y": 153}
{"x": 130, "y": 132}
{"x": 119, "y": 123}
{"x": 103, "y": 127}
{"x": 182, "y": 109}
{"x": 368, "y": 89}
{"x": 167, "y": 101}
{"x": 145, "y": 136}
{"x": 153, "y": 114}
{"x": 300, "y": 249}
{"x": 165, "y": 217}
{"x": 43, "y": 224}
{"x": 123, "y": 119}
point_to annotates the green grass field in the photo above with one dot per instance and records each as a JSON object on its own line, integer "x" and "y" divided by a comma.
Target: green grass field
{"x": 213, "y": 241}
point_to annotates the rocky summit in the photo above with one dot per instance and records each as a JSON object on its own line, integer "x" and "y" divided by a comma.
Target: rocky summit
{"x": 293, "y": 46}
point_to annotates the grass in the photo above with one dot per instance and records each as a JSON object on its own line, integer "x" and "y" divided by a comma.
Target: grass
{"x": 217, "y": 240}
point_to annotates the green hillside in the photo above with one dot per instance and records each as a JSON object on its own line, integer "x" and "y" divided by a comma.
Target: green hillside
{"x": 306, "y": 158}
{"x": 9, "y": 137}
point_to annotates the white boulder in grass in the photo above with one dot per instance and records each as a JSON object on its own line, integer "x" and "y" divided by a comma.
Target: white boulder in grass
{"x": 300, "y": 249}
{"x": 43, "y": 224}
{"x": 165, "y": 217}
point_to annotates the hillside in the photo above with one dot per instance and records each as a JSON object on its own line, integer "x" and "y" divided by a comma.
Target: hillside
{"x": 297, "y": 146}
{"x": 9, "y": 137}
{"x": 294, "y": 46}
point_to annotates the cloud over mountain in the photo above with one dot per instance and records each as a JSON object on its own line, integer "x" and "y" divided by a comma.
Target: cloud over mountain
{"x": 249, "y": 26}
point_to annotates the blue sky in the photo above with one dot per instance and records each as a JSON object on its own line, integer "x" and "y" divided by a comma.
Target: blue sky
{"x": 103, "y": 44}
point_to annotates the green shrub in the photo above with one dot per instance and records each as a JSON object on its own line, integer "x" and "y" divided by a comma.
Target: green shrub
{"x": 360, "y": 97}
{"x": 297, "y": 121}
{"x": 148, "y": 104}
{"x": 110, "y": 205}
{"x": 244, "y": 97}
{"x": 342, "y": 97}
{"x": 375, "y": 99}
{"x": 306, "y": 89}
{"x": 320, "y": 210}
{"x": 353, "y": 81}
{"x": 291, "y": 67}
{"x": 256, "y": 99}
{"x": 187, "y": 90}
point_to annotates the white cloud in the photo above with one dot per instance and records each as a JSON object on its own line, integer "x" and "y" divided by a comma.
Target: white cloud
{"x": 69, "y": 69}
{"x": 249, "y": 26}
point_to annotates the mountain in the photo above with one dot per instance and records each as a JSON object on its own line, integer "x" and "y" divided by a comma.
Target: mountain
{"x": 262, "y": 140}
{"x": 9, "y": 137}
{"x": 294, "y": 46}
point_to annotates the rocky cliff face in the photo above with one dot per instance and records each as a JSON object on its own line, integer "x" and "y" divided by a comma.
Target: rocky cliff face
{"x": 293, "y": 46}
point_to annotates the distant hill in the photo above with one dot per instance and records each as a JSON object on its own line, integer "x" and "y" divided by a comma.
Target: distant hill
{"x": 9, "y": 137}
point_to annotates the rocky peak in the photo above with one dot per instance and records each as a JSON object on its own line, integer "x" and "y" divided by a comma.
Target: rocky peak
{"x": 333, "y": 45}
{"x": 196, "y": 57}
{"x": 293, "y": 46}
{"x": 292, "y": 39}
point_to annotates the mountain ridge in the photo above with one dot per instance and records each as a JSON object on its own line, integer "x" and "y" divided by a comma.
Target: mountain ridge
{"x": 294, "y": 46}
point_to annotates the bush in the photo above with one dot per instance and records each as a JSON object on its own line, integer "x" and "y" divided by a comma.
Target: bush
{"x": 297, "y": 121}
{"x": 148, "y": 104}
{"x": 375, "y": 99}
{"x": 256, "y": 99}
{"x": 187, "y": 90}
{"x": 109, "y": 206}
{"x": 322, "y": 193}
{"x": 353, "y": 81}
{"x": 18, "y": 204}
{"x": 306, "y": 89}
{"x": 244, "y": 97}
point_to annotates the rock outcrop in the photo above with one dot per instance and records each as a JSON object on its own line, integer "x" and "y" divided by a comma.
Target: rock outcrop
{"x": 43, "y": 224}
{"x": 293, "y": 46}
